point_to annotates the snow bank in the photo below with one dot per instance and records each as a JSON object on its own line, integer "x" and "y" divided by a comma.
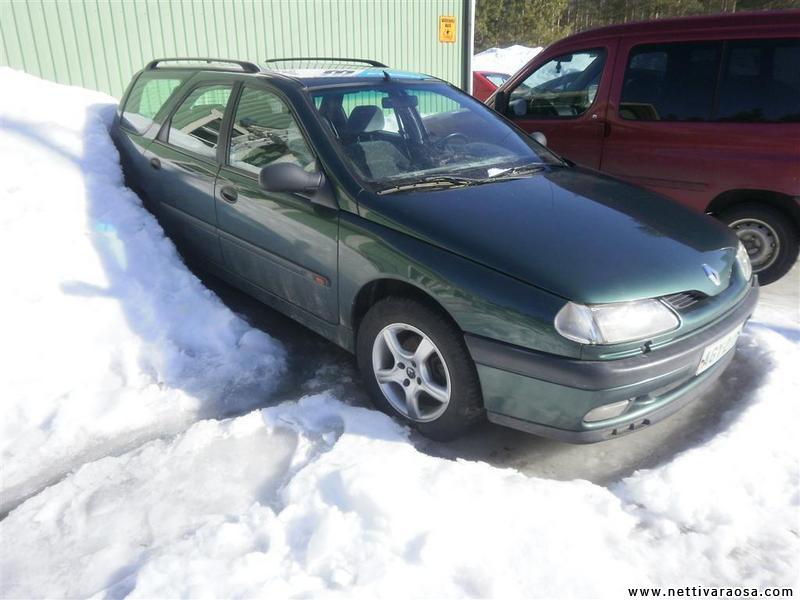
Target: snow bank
{"x": 504, "y": 60}
{"x": 315, "y": 498}
{"x": 107, "y": 339}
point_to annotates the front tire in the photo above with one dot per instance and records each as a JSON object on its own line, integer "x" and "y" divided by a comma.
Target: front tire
{"x": 769, "y": 237}
{"x": 417, "y": 368}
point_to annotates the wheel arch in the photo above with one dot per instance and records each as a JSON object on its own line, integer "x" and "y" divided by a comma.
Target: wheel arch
{"x": 378, "y": 289}
{"x": 785, "y": 203}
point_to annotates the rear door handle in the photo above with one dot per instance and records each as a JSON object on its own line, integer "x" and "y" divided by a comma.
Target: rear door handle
{"x": 606, "y": 129}
{"x": 155, "y": 163}
{"x": 229, "y": 194}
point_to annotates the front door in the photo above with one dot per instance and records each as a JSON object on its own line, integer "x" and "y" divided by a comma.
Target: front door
{"x": 280, "y": 242}
{"x": 184, "y": 164}
{"x": 565, "y": 98}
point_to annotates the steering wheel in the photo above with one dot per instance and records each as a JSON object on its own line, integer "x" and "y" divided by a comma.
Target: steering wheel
{"x": 542, "y": 107}
{"x": 452, "y": 137}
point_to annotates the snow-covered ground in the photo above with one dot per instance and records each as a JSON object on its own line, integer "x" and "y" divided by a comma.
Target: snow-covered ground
{"x": 108, "y": 340}
{"x": 113, "y": 353}
{"x": 504, "y": 60}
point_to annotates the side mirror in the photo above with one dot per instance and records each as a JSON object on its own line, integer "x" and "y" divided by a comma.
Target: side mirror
{"x": 290, "y": 178}
{"x": 540, "y": 137}
{"x": 518, "y": 108}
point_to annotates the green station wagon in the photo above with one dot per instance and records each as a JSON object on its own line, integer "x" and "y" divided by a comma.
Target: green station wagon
{"x": 474, "y": 273}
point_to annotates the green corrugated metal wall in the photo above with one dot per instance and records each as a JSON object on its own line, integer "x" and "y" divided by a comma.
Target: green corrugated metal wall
{"x": 99, "y": 44}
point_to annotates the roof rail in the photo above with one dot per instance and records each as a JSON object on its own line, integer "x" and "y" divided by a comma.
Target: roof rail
{"x": 247, "y": 67}
{"x": 328, "y": 59}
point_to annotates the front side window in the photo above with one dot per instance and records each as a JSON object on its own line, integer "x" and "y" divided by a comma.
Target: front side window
{"x": 564, "y": 87}
{"x": 670, "y": 82}
{"x": 197, "y": 122}
{"x": 264, "y": 132}
{"x": 146, "y": 98}
{"x": 395, "y": 133}
{"x": 760, "y": 82}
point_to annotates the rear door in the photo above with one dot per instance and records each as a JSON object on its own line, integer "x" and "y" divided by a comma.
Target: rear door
{"x": 664, "y": 95}
{"x": 691, "y": 119}
{"x": 183, "y": 168}
{"x": 564, "y": 96}
{"x": 279, "y": 242}
{"x": 137, "y": 127}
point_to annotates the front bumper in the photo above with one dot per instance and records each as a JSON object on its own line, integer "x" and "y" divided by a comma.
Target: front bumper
{"x": 548, "y": 395}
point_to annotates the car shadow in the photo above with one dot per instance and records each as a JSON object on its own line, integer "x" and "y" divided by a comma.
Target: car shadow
{"x": 606, "y": 462}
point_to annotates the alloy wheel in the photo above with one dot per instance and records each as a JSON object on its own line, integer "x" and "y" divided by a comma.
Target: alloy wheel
{"x": 411, "y": 372}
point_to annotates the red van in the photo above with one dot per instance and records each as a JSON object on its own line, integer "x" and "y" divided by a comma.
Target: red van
{"x": 705, "y": 110}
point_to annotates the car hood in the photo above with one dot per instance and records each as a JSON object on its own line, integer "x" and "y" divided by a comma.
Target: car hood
{"x": 570, "y": 231}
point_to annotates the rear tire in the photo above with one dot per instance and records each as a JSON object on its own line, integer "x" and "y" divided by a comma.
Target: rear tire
{"x": 427, "y": 377}
{"x": 771, "y": 239}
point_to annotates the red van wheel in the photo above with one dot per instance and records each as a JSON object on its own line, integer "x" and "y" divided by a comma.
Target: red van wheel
{"x": 769, "y": 237}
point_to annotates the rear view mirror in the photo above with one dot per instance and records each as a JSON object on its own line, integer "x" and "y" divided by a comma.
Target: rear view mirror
{"x": 539, "y": 137}
{"x": 291, "y": 178}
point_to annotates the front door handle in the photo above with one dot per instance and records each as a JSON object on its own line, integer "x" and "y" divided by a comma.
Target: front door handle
{"x": 606, "y": 129}
{"x": 229, "y": 194}
{"x": 155, "y": 163}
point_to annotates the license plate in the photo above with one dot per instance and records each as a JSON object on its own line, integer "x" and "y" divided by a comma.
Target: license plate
{"x": 714, "y": 352}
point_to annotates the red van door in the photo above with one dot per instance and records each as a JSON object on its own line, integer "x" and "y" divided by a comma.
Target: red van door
{"x": 564, "y": 94}
{"x": 661, "y": 104}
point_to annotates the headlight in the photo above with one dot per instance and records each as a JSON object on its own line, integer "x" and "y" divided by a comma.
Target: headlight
{"x": 615, "y": 323}
{"x": 743, "y": 258}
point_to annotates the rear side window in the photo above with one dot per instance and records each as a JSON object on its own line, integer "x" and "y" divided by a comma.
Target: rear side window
{"x": 197, "y": 122}
{"x": 760, "y": 82}
{"x": 147, "y": 97}
{"x": 670, "y": 82}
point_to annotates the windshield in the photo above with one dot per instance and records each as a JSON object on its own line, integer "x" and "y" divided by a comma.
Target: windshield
{"x": 396, "y": 133}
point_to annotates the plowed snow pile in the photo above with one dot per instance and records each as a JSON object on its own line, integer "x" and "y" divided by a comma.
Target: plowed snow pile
{"x": 103, "y": 327}
{"x": 504, "y": 60}
{"x": 107, "y": 338}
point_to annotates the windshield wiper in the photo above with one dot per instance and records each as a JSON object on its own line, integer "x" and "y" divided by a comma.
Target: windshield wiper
{"x": 437, "y": 181}
{"x": 519, "y": 171}
{"x": 440, "y": 181}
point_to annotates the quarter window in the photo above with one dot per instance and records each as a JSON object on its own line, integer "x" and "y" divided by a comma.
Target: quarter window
{"x": 197, "y": 122}
{"x": 265, "y": 132}
{"x": 564, "y": 87}
{"x": 761, "y": 82}
{"x": 670, "y": 82}
{"x": 146, "y": 98}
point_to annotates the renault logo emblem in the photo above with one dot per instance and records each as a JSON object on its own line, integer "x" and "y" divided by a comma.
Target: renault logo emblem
{"x": 711, "y": 274}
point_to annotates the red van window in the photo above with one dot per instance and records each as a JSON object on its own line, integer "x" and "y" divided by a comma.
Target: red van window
{"x": 670, "y": 82}
{"x": 760, "y": 82}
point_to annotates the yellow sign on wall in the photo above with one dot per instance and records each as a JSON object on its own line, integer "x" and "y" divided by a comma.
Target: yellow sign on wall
{"x": 447, "y": 29}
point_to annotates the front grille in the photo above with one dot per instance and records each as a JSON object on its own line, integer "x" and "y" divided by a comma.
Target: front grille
{"x": 683, "y": 300}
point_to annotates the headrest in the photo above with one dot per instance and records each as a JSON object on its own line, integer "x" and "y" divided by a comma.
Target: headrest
{"x": 364, "y": 119}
